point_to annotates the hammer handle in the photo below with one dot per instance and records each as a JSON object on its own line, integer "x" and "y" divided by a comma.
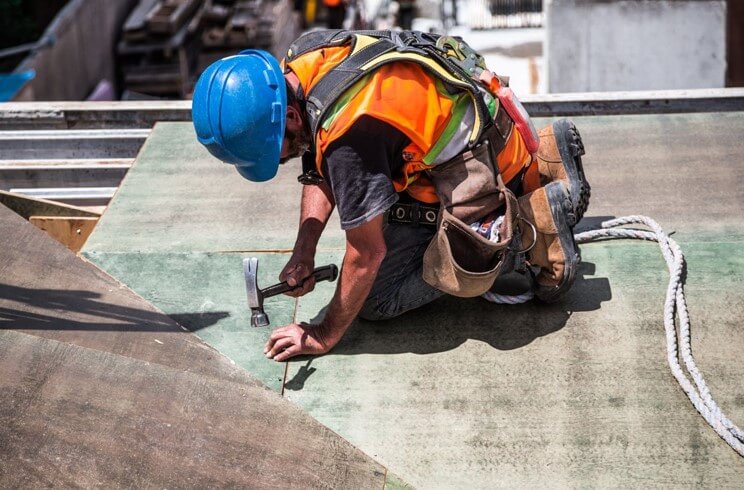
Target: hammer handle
{"x": 325, "y": 273}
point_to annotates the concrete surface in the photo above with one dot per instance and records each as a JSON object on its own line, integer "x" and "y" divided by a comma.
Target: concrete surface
{"x": 100, "y": 389}
{"x": 463, "y": 393}
{"x": 603, "y": 45}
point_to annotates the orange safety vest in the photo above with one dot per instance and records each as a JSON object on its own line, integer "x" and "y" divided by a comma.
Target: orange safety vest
{"x": 405, "y": 96}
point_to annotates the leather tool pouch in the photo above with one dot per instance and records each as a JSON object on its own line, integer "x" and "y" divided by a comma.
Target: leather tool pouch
{"x": 458, "y": 260}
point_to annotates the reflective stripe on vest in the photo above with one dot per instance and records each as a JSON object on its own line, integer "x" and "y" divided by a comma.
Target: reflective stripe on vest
{"x": 437, "y": 116}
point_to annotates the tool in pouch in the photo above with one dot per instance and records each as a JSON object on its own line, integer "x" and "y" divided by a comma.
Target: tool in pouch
{"x": 256, "y": 296}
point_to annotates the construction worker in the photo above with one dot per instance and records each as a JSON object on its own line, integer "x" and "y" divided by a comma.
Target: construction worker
{"x": 409, "y": 137}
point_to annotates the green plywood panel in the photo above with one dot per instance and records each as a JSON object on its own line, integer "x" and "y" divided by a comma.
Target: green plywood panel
{"x": 463, "y": 393}
{"x": 393, "y": 482}
{"x": 206, "y": 294}
{"x": 178, "y": 198}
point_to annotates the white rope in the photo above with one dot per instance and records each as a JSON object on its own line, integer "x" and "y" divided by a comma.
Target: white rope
{"x": 675, "y": 304}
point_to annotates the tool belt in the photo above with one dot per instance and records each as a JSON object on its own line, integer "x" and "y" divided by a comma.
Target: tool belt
{"x": 413, "y": 213}
{"x": 459, "y": 261}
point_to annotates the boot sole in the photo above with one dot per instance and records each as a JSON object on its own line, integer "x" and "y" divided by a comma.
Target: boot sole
{"x": 562, "y": 209}
{"x": 571, "y": 149}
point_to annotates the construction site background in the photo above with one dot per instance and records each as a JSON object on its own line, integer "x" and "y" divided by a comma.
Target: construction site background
{"x": 129, "y": 49}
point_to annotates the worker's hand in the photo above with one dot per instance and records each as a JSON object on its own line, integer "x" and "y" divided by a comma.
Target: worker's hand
{"x": 299, "y": 338}
{"x": 299, "y": 270}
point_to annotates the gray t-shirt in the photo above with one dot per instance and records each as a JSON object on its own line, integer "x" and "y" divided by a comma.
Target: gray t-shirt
{"x": 359, "y": 167}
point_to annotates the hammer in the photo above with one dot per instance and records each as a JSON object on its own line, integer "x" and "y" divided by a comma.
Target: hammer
{"x": 256, "y": 296}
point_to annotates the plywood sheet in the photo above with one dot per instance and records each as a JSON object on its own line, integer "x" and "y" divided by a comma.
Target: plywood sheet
{"x": 178, "y": 198}
{"x": 206, "y": 294}
{"x": 77, "y": 417}
{"x": 45, "y": 290}
{"x": 467, "y": 394}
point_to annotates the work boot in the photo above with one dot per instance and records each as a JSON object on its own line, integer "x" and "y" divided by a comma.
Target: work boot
{"x": 559, "y": 159}
{"x": 552, "y": 248}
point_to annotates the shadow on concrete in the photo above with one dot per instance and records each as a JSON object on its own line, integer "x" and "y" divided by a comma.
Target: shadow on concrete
{"x": 449, "y": 322}
{"x": 57, "y": 309}
{"x": 592, "y": 223}
{"x": 298, "y": 381}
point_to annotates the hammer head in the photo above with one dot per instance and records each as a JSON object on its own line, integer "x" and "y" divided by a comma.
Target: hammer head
{"x": 255, "y": 297}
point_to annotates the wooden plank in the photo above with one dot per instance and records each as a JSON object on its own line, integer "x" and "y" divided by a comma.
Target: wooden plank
{"x": 27, "y": 206}
{"x": 76, "y": 196}
{"x": 70, "y": 232}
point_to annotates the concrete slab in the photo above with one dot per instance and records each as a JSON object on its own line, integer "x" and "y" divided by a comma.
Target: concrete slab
{"x": 465, "y": 393}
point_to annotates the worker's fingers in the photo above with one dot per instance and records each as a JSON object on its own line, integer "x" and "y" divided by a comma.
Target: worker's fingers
{"x": 280, "y": 333}
{"x": 288, "y": 353}
{"x": 279, "y": 346}
{"x": 287, "y": 270}
{"x": 277, "y": 334}
{"x": 307, "y": 286}
{"x": 297, "y": 275}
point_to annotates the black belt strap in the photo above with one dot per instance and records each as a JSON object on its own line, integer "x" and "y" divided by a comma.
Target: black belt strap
{"x": 349, "y": 71}
{"x": 413, "y": 213}
{"x": 498, "y": 133}
{"x": 338, "y": 80}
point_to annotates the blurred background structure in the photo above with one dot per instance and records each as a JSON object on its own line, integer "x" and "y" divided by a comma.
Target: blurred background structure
{"x": 597, "y": 46}
{"x": 139, "y": 49}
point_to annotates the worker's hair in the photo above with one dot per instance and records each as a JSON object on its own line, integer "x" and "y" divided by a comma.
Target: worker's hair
{"x": 294, "y": 99}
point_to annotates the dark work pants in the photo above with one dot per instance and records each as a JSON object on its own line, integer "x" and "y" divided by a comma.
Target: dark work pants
{"x": 399, "y": 286}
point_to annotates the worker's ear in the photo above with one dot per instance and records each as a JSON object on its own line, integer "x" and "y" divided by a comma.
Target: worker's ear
{"x": 294, "y": 118}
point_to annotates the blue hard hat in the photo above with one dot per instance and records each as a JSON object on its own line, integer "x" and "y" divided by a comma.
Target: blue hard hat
{"x": 239, "y": 111}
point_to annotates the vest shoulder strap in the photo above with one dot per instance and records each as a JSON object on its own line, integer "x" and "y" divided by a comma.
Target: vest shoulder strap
{"x": 373, "y": 49}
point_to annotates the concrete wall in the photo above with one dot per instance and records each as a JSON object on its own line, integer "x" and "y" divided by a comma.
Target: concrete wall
{"x": 635, "y": 44}
{"x": 85, "y": 33}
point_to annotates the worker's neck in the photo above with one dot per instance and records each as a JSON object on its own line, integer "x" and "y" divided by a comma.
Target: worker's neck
{"x": 292, "y": 80}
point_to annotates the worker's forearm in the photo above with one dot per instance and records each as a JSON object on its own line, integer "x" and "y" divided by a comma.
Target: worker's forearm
{"x": 317, "y": 206}
{"x": 357, "y": 276}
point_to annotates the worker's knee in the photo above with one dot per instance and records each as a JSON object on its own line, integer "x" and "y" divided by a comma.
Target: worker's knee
{"x": 385, "y": 308}
{"x": 374, "y": 311}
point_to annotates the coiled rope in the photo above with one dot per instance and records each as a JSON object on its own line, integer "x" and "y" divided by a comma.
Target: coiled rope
{"x": 675, "y": 304}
